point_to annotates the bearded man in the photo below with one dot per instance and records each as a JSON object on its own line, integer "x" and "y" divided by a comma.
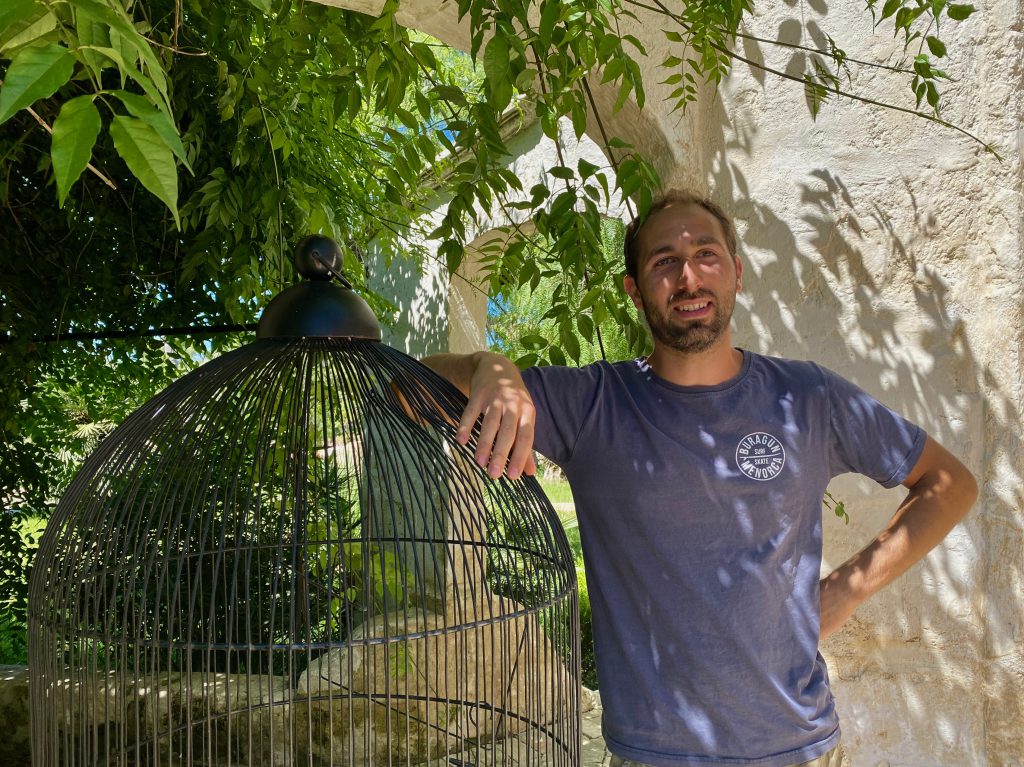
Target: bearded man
{"x": 698, "y": 475}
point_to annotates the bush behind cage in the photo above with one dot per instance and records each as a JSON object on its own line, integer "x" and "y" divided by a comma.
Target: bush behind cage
{"x": 286, "y": 558}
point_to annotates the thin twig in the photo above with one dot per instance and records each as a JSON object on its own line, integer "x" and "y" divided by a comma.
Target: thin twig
{"x": 836, "y": 91}
{"x": 179, "y": 51}
{"x": 48, "y": 129}
{"x": 90, "y": 166}
{"x": 779, "y": 43}
{"x": 177, "y": 22}
{"x": 277, "y": 177}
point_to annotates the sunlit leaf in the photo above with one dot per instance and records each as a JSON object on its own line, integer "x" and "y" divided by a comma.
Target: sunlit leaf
{"x": 35, "y": 73}
{"x": 960, "y": 11}
{"x": 936, "y": 46}
{"x": 157, "y": 119}
{"x": 74, "y": 135}
{"x": 149, "y": 157}
{"x": 38, "y": 25}
{"x": 498, "y": 69}
{"x": 14, "y": 11}
{"x": 129, "y": 43}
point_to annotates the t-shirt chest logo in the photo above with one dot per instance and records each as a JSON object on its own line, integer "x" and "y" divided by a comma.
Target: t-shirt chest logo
{"x": 760, "y": 456}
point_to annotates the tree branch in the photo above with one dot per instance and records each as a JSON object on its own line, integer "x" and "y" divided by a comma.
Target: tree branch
{"x": 779, "y": 43}
{"x": 831, "y": 89}
{"x": 46, "y": 126}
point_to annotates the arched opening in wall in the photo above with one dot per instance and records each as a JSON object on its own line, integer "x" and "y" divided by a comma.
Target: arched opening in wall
{"x": 484, "y": 287}
{"x": 629, "y": 122}
{"x": 469, "y": 296}
{"x": 533, "y": 319}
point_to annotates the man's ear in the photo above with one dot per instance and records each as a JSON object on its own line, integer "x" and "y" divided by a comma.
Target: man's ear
{"x": 631, "y": 290}
{"x": 739, "y": 273}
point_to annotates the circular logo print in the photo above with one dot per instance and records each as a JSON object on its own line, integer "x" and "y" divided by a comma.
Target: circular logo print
{"x": 760, "y": 456}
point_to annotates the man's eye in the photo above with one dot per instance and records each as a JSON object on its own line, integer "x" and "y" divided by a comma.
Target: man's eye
{"x": 707, "y": 254}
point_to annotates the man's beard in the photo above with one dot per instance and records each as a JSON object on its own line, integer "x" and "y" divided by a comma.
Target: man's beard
{"x": 689, "y": 337}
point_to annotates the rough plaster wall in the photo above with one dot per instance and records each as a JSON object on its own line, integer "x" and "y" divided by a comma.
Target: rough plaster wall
{"x": 420, "y": 295}
{"x": 467, "y": 303}
{"x": 890, "y": 250}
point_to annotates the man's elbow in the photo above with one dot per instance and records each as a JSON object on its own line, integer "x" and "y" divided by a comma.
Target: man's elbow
{"x": 942, "y": 476}
{"x": 967, "y": 485}
{"x": 957, "y": 484}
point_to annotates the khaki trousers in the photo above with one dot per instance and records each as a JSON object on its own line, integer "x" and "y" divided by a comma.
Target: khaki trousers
{"x": 833, "y": 758}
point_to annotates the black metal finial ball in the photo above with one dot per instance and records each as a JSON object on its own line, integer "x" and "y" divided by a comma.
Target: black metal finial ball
{"x": 323, "y": 305}
{"x": 318, "y": 257}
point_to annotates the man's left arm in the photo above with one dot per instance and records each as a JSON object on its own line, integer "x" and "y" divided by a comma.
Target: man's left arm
{"x": 942, "y": 491}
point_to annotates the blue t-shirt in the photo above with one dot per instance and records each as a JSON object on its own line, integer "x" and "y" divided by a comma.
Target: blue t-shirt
{"x": 700, "y": 514}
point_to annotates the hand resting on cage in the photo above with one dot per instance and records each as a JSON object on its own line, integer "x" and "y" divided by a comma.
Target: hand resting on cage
{"x": 498, "y": 396}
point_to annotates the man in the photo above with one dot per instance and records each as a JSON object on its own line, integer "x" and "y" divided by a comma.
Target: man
{"x": 698, "y": 475}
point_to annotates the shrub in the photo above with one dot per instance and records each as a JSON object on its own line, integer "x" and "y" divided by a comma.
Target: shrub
{"x": 588, "y": 667}
{"x": 19, "y": 536}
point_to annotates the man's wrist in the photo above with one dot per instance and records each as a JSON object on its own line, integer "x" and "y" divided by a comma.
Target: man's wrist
{"x": 493, "y": 366}
{"x": 486, "y": 356}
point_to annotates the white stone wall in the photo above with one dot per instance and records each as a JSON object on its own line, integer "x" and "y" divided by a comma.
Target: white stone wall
{"x": 890, "y": 250}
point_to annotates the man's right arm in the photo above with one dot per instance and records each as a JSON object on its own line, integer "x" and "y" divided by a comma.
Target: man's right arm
{"x": 496, "y": 391}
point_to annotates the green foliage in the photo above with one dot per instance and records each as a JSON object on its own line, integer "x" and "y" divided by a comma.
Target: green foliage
{"x": 557, "y": 491}
{"x": 588, "y": 663}
{"x": 543, "y": 316}
{"x": 19, "y": 536}
{"x": 148, "y": 158}
{"x": 278, "y": 143}
{"x": 920, "y": 21}
{"x": 74, "y": 134}
{"x": 354, "y": 581}
{"x": 34, "y": 73}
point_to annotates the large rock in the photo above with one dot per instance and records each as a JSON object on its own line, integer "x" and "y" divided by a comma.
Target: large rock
{"x": 14, "y": 745}
{"x": 413, "y": 687}
{"x": 211, "y": 718}
{"x": 216, "y": 718}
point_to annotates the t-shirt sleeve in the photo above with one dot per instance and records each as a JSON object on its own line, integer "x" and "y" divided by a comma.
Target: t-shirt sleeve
{"x": 564, "y": 399}
{"x": 868, "y": 437}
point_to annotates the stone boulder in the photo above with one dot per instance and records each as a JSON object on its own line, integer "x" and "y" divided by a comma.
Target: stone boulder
{"x": 219, "y": 718}
{"x": 213, "y": 718}
{"x": 412, "y": 687}
{"x": 14, "y": 745}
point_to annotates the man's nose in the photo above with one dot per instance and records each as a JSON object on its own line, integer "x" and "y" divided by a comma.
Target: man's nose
{"x": 689, "y": 276}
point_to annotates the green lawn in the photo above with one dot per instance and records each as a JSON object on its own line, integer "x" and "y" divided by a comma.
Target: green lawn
{"x": 557, "y": 492}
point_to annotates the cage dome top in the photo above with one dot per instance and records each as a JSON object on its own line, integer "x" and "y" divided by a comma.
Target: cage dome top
{"x": 317, "y": 307}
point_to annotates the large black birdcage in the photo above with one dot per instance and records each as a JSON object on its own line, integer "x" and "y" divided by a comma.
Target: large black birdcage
{"x": 287, "y": 559}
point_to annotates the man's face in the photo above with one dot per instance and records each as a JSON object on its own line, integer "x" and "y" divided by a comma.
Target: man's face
{"x": 686, "y": 280}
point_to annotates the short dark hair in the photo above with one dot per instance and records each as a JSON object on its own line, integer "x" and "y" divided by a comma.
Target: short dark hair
{"x": 666, "y": 199}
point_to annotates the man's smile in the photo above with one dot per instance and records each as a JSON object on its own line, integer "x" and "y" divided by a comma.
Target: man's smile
{"x": 693, "y": 309}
